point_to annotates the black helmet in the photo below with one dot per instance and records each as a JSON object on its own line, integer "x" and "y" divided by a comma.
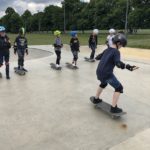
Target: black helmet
{"x": 120, "y": 38}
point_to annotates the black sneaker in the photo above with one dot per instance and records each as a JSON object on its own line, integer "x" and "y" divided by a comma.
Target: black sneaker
{"x": 8, "y": 77}
{"x": 96, "y": 101}
{"x": 115, "y": 110}
{"x": 25, "y": 70}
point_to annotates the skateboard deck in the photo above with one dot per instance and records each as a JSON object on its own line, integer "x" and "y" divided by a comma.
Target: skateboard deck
{"x": 20, "y": 72}
{"x": 88, "y": 59}
{"x": 70, "y": 66}
{"x": 53, "y": 66}
{"x": 106, "y": 108}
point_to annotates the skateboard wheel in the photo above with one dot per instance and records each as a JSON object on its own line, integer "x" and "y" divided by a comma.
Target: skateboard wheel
{"x": 115, "y": 117}
{"x": 96, "y": 107}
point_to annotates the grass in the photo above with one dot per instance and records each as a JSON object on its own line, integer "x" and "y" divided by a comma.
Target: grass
{"x": 139, "y": 40}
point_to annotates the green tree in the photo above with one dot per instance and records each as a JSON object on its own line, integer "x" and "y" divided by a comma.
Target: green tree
{"x": 26, "y": 17}
{"x": 15, "y": 22}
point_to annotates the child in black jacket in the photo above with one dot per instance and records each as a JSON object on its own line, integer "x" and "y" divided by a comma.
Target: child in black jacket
{"x": 74, "y": 45}
{"x": 5, "y": 45}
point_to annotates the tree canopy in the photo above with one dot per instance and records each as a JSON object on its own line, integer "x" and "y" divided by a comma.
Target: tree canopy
{"x": 79, "y": 15}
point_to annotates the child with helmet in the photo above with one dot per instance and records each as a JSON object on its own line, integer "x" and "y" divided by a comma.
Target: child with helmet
{"x": 93, "y": 41}
{"x": 111, "y": 35}
{"x": 21, "y": 47}
{"x": 57, "y": 46}
{"x": 5, "y": 45}
{"x": 74, "y": 45}
{"x": 109, "y": 59}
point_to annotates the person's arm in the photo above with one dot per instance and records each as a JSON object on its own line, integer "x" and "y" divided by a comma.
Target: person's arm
{"x": 99, "y": 56}
{"x": 15, "y": 46}
{"x": 78, "y": 45}
{"x": 122, "y": 65}
{"x": 90, "y": 41}
{"x": 26, "y": 46}
{"x": 96, "y": 40}
{"x": 107, "y": 39}
{"x": 71, "y": 43}
{"x": 8, "y": 43}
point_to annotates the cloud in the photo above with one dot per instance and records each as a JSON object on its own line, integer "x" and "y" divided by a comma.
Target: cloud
{"x": 21, "y": 5}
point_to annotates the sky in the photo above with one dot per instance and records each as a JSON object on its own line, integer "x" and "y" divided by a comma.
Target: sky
{"x": 21, "y": 5}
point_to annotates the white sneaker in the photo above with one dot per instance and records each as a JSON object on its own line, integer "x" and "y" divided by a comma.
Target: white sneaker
{"x": 57, "y": 66}
{"x": 73, "y": 65}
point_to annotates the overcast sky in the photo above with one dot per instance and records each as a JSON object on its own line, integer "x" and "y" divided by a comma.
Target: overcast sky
{"x": 21, "y": 5}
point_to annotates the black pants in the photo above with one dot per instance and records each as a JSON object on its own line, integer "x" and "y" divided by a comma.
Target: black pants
{"x": 4, "y": 57}
{"x": 58, "y": 54}
{"x": 93, "y": 48}
{"x": 75, "y": 55}
{"x": 20, "y": 57}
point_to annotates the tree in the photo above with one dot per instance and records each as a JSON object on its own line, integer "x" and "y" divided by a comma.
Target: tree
{"x": 15, "y": 22}
{"x": 26, "y": 17}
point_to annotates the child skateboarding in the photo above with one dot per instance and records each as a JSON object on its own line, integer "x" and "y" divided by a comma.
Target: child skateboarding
{"x": 5, "y": 45}
{"x": 111, "y": 35}
{"x": 21, "y": 47}
{"x": 57, "y": 47}
{"x": 93, "y": 41}
{"x": 109, "y": 59}
{"x": 74, "y": 45}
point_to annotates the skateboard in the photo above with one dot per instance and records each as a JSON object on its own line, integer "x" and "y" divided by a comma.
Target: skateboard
{"x": 20, "y": 72}
{"x": 70, "y": 66}
{"x": 89, "y": 60}
{"x": 53, "y": 66}
{"x": 106, "y": 108}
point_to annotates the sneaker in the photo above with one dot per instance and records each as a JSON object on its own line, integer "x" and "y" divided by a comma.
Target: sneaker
{"x": 96, "y": 101}
{"x": 73, "y": 65}
{"x": 91, "y": 59}
{"x": 8, "y": 77}
{"x": 24, "y": 69}
{"x": 57, "y": 66}
{"x": 115, "y": 110}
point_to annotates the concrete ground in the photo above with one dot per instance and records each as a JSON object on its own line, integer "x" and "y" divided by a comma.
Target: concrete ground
{"x": 50, "y": 110}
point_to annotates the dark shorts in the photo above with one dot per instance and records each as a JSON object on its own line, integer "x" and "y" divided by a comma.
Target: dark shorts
{"x": 113, "y": 81}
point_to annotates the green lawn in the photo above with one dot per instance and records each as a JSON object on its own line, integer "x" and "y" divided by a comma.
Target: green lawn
{"x": 139, "y": 40}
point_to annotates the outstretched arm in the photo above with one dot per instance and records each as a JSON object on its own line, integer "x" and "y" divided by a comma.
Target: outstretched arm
{"x": 122, "y": 65}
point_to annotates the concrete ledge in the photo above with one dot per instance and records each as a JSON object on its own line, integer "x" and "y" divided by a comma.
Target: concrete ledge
{"x": 141, "y": 141}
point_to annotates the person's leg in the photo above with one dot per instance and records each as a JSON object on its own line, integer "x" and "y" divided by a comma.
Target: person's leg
{"x": 23, "y": 54}
{"x": 59, "y": 57}
{"x": 118, "y": 90}
{"x": 75, "y": 57}
{"x": 99, "y": 91}
{"x": 7, "y": 65}
{"x": 1, "y": 60}
{"x": 19, "y": 58}
{"x": 1, "y": 63}
{"x": 93, "y": 52}
{"x": 56, "y": 52}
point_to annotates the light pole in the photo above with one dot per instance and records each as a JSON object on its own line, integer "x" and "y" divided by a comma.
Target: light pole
{"x": 126, "y": 22}
{"x": 64, "y": 16}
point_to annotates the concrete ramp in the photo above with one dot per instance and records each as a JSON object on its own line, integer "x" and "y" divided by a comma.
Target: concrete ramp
{"x": 51, "y": 110}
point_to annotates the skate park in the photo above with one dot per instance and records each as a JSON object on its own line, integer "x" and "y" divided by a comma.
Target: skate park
{"x": 50, "y": 110}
